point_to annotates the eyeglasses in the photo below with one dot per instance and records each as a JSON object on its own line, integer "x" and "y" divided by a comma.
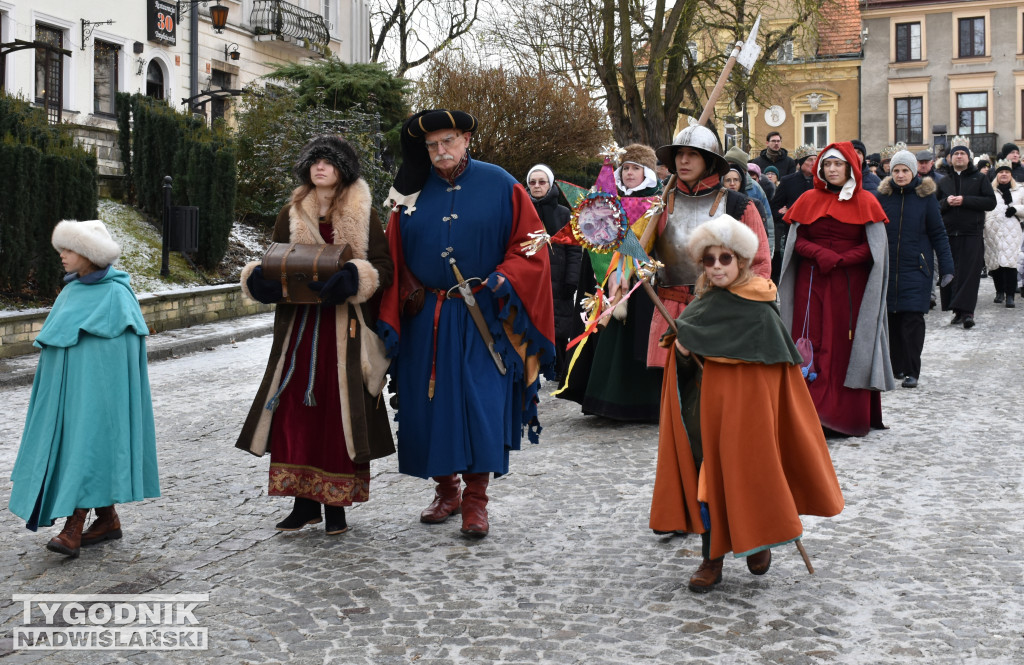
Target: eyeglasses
{"x": 724, "y": 259}
{"x": 447, "y": 143}
{"x": 538, "y": 182}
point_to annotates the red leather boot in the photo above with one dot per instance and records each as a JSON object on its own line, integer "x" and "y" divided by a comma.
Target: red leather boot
{"x": 447, "y": 498}
{"x": 106, "y": 526}
{"x": 474, "y": 505}
{"x": 69, "y": 541}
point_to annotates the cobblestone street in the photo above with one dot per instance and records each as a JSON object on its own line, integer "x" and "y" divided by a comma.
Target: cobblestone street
{"x": 923, "y": 565}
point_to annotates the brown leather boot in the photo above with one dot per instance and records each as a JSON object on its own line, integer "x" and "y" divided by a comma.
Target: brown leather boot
{"x": 707, "y": 576}
{"x": 474, "y": 505}
{"x": 106, "y": 526}
{"x": 69, "y": 541}
{"x": 759, "y": 563}
{"x": 447, "y": 499}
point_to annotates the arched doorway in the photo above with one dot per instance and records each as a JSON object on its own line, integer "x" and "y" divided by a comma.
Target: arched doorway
{"x": 155, "y": 80}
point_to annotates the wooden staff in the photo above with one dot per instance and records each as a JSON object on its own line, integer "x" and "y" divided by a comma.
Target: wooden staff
{"x": 803, "y": 553}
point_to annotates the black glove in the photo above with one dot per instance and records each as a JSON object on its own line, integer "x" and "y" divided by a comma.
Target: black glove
{"x": 1010, "y": 211}
{"x": 339, "y": 287}
{"x": 266, "y": 291}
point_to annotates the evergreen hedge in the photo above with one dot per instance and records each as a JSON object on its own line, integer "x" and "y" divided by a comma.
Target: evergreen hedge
{"x": 200, "y": 160}
{"x": 44, "y": 178}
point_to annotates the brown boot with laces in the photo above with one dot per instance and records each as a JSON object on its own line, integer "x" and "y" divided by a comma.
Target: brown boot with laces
{"x": 106, "y": 526}
{"x": 69, "y": 541}
{"x": 707, "y": 576}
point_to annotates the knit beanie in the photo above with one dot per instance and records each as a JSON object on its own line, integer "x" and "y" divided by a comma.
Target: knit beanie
{"x": 543, "y": 168}
{"x": 736, "y": 155}
{"x": 1007, "y": 149}
{"x": 906, "y": 158}
{"x": 772, "y": 169}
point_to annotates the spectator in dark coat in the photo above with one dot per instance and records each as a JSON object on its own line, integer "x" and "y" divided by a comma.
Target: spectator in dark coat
{"x": 1011, "y": 152}
{"x": 965, "y": 195}
{"x": 926, "y": 166}
{"x": 869, "y": 180}
{"x": 775, "y": 155}
{"x": 916, "y": 236}
{"x": 565, "y": 259}
{"x": 789, "y": 190}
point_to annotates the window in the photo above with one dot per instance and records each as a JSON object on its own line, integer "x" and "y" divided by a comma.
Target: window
{"x": 972, "y": 112}
{"x": 816, "y": 129}
{"x": 785, "y": 52}
{"x": 50, "y": 72}
{"x": 691, "y": 46}
{"x": 908, "y": 42}
{"x": 154, "y": 80}
{"x": 972, "y": 37}
{"x": 327, "y": 15}
{"x": 104, "y": 84}
{"x": 219, "y": 81}
{"x": 910, "y": 120}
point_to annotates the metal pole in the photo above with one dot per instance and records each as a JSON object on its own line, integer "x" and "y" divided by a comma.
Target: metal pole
{"x": 165, "y": 269}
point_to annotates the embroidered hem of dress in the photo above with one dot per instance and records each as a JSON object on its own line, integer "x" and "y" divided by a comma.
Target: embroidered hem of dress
{"x": 332, "y": 489}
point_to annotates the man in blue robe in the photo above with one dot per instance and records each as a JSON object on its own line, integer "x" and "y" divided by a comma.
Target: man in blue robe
{"x": 458, "y": 412}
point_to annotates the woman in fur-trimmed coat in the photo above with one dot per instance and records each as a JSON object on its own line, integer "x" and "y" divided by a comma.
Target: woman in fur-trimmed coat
{"x": 916, "y": 237}
{"x": 313, "y": 411}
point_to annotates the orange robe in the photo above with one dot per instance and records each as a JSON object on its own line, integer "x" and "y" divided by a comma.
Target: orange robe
{"x": 765, "y": 457}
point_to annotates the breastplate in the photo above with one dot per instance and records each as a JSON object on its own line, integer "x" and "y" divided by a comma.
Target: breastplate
{"x": 688, "y": 213}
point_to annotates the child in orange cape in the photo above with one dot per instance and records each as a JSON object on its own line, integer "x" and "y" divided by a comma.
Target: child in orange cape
{"x": 741, "y": 454}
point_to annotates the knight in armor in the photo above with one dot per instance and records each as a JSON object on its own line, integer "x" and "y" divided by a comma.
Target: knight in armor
{"x": 694, "y": 195}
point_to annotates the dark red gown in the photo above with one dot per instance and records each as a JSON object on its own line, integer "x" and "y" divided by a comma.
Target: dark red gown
{"x": 835, "y": 300}
{"x": 308, "y": 455}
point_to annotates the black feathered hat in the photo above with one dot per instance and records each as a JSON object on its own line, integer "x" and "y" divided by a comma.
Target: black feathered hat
{"x": 335, "y": 150}
{"x": 415, "y": 161}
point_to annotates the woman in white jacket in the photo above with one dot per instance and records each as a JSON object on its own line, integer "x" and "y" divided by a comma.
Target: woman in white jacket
{"x": 1003, "y": 234}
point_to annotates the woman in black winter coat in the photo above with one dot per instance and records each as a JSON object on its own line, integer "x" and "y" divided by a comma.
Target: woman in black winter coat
{"x": 565, "y": 259}
{"x": 916, "y": 232}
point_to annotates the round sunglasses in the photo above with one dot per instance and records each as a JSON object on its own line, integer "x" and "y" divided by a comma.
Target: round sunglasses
{"x": 725, "y": 258}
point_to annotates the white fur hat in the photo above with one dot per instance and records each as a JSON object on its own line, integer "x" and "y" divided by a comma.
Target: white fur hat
{"x": 89, "y": 239}
{"x": 726, "y": 231}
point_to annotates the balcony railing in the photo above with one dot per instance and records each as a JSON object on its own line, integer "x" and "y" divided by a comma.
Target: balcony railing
{"x": 290, "y": 23}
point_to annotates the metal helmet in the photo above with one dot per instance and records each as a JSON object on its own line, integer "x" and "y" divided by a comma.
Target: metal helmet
{"x": 699, "y": 138}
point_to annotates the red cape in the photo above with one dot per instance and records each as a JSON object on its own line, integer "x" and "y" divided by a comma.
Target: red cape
{"x": 820, "y": 202}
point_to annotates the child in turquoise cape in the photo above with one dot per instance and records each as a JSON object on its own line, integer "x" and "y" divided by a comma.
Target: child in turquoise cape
{"x": 89, "y": 439}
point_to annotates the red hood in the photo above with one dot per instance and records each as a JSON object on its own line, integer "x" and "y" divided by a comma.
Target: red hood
{"x": 821, "y": 202}
{"x": 850, "y": 155}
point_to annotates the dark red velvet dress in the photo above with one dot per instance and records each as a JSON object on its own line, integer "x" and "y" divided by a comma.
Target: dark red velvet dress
{"x": 835, "y": 300}
{"x": 308, "y": 456}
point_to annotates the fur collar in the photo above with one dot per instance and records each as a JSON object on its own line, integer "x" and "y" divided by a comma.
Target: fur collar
{"x": 926, "y": 188}
{"x": 350, "y": 223}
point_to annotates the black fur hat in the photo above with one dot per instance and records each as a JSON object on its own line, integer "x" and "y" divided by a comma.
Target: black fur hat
{"x": 335, "y": 150}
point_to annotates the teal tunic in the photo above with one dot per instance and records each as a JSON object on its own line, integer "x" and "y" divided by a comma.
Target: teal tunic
{"x": 89, "y": 438}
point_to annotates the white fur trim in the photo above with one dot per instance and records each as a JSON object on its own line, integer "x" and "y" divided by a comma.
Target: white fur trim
{"x": 90, "y": 239}
{"x": 725, "y": 231}
{"x": 246, "y": 272}
{"x": 369, "y": 280}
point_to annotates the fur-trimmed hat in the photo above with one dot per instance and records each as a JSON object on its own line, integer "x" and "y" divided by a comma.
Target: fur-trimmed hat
{"x": 335, "y": 150}
{"x": 641, "y": 154}
{"x": 90, "y": 239}
{"x": 726, "y": 231}
{"x": 804, "y": 152}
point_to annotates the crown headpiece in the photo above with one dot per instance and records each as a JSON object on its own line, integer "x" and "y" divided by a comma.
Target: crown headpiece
{"x": 959, "y": 140}
{"x": 890, "y": 150}
{"x": 1002, "y": 164}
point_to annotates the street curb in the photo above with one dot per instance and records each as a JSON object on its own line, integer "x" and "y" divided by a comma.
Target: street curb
{"x": 24, "y": 369}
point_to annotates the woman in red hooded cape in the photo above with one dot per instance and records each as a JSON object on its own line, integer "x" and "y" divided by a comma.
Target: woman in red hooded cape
{"x": 832, "y": 288}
